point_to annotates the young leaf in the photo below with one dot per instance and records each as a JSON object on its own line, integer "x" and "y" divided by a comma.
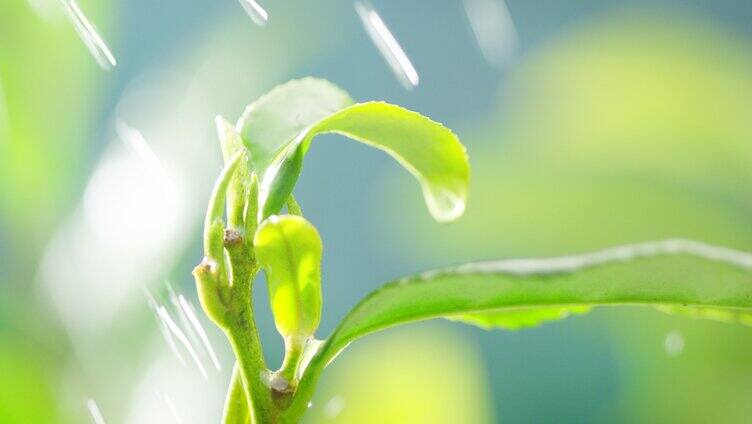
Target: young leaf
{"x": 213, "y": 220}
{"x": 274, "y": 120}
{"x": 430, "y": 151}
{"x": 237, "y": 190}
{"x": 289, "y": 249}
{"x": 679, "y": 273}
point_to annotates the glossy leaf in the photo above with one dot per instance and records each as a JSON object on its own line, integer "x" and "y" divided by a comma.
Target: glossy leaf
{"x": 678, "y": 273}
{"x": 289, "y": 249}
{"x": 275, "y": 119}
{"x": 430, "y": 151}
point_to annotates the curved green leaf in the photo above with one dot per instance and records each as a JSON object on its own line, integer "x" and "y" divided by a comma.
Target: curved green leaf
{"x": 275, "y": 119}
{"x": 289, "y": 249}
{"x": 430, "y": 151}
{"x": 678, "y": 273}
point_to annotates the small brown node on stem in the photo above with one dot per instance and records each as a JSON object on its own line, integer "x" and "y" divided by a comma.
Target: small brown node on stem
{"x": 207, "y": 266}
{"x": 232, "y": 238}
{"x": 281, "y": 389}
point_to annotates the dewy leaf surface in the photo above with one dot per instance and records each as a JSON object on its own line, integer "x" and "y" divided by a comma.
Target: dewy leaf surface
{"x": 289, "y": 249}
{"x": 682, "y": 274}
{"x": 430, "y": 151}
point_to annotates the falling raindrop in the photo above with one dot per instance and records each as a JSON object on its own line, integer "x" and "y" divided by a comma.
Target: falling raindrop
{"x": 674, "y": 343}
{"x": 334, "y": 407}
{"x": 186, "y": 331}
{"x": 255, "y": 11}
{"x": 387, "y": 45}
{"x": 171, "y": 407}
{"x": 183, "y": 318}
{"x": 89, "y": 35}
{"x": 187, "y": 307}
{"x": 494, "y": 29}
{"x": 96, "y": 416}
{"x": 163, "y": 327}
{"x": 178, "y": 333}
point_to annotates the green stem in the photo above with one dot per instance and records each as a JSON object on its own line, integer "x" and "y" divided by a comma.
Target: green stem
{"x": 244, "y": 338}
{"x": 236, "y": 404}
{"x": 303, "y": 393}
{"x": 293, "y": 350}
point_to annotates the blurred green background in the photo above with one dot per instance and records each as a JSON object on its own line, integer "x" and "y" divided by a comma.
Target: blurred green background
{"x": 588, "y": 124}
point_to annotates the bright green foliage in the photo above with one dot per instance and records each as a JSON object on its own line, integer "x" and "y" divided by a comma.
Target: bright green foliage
{"x": 431, "y": 152}
{"x": 263, "y": 157}
{"x": 275, "y": 134}
{"x": 289, "y": 248}
{"x": 673, "y": 272}
{"x": 212, "y": 281}
{"x": 278, "y": 130}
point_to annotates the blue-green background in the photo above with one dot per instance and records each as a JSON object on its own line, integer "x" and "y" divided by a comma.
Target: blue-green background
{"x": 613, "y": 122}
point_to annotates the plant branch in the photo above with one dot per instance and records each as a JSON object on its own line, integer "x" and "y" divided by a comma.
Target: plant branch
{"x": 236, "y": 404}
{"x": 246, "y": 345}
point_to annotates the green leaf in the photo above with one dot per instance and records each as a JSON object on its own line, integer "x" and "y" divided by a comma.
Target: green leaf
{"x": 430, "y": 151}
{"x": 239, "y": 185}
{"x": 278, "y": 128}
{"x": 673, "y": 272}
{"x": 213, "y": 226}
{"x": 275, "y": 119}
{"x": 515, "y": 319}
{"x": 289, "y": 249}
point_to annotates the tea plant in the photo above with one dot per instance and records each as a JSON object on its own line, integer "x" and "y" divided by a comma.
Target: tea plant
{"x": 245, "y": 232}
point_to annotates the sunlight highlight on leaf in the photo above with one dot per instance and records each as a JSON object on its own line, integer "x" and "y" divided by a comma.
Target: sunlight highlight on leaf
{"x": 289, "y": 249}
{"x": 387, "y": 45}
